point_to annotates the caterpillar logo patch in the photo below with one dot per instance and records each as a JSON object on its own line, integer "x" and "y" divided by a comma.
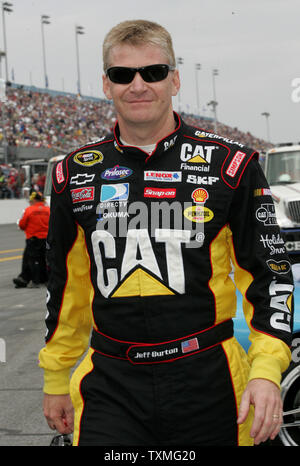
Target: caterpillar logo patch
{"x": 88, "y": 158}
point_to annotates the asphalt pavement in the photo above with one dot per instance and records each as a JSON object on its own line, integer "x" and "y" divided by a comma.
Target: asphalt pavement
{"x": 22, "y": 330}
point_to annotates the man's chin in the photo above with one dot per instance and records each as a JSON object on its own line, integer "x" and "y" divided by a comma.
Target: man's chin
{"x": 139, "y": 117}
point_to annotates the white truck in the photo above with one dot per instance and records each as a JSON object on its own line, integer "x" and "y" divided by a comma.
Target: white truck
{"x": 282, "y": 170}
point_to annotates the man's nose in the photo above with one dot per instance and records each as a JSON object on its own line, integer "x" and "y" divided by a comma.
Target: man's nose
{"x": 138, "y": 84}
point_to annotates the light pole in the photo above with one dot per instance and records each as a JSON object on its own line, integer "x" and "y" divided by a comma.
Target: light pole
{"x": 2, "y": 55}
{"x": 6, "y": 7}
{"x": 3, "y": 99}
{"x": 215, "y": 73}
{"x": 79, "y": 30}
{"x": 44, "y": 20}
{"x": 266, "y": 114}
{"x": 197, "y": 68}
{"x": 214, "y": 102}
{"x": 179, "y": 62}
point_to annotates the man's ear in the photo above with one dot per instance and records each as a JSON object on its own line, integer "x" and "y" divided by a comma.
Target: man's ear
{"x": 175, "y": 82}
{"x": 106, "y": 87}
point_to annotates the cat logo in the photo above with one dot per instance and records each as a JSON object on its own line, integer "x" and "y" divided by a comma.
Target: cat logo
{"x": 197, "y": 154}
{"x": 88, "y": 158}
{"x": 139, "y": 274}
{"x": 281, "y": 302}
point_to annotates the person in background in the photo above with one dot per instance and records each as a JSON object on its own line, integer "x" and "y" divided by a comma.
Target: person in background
{"x": 4, "y": 192}
{"x": 34, "y": 222}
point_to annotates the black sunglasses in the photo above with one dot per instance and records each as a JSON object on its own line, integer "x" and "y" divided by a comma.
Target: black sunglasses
{"x": 150, "y": 74}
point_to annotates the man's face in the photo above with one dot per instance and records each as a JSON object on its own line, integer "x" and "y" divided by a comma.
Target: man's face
{"x": 139, "y": 102}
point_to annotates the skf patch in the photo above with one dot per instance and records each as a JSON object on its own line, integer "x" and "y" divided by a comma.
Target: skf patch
{"x": 88, "y": 158}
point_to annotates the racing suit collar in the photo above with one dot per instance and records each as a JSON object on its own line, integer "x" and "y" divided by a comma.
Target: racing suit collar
{"x": 161, "y": 146}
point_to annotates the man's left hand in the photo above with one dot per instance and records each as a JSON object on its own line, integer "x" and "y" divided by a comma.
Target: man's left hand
{"x": 264, "y": 395}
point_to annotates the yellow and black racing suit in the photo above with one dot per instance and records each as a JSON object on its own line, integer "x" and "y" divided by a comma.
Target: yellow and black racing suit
{"x": 141, "y": 249}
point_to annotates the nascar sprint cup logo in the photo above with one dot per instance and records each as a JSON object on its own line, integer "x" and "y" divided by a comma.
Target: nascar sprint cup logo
{"x": 88, "y": 158}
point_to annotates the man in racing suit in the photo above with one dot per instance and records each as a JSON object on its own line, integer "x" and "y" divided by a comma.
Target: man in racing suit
{"x": 143, "y": 237}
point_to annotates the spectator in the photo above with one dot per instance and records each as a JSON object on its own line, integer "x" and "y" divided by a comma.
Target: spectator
{"x": 12, "y": 185}
{"x": 41, "y": 182}
{"x": 4, "y": 192}
{"x": 34, "y": 223}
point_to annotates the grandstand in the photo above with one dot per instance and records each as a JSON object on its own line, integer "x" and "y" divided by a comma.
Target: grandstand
{"x": 58, "y": 121}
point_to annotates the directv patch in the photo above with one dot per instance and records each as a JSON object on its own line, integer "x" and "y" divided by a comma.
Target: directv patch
{"x": 114, "y": 192}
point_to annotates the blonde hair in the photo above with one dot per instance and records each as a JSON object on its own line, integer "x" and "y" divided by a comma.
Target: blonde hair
{"x": 138, "y": 32}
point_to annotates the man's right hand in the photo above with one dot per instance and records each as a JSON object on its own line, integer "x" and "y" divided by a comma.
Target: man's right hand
{"x": 59, "y": 412}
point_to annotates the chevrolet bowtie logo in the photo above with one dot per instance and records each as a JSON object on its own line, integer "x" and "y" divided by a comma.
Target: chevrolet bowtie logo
{"x": 82, "y": 178}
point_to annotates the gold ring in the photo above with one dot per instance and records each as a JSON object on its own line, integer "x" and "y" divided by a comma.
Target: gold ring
{"x": 275, "y": 416}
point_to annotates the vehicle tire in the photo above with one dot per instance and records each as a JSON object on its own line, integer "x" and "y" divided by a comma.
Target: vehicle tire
{"x": 290, "y": 386}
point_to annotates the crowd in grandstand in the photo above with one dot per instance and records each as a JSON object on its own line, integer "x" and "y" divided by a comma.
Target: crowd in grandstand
{"x": 43, "y": 120}
{"x": 63, "y": 122}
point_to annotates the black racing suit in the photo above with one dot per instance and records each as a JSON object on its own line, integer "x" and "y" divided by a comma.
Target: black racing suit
{"x": 142, "y": 248}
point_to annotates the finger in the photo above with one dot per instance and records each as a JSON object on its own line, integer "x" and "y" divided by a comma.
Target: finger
{"x": 51, "y": 425}
{"x": 271, "y": 423}
{"x": 68, "y": 425}
{"x": 69, "y": 418}
{"x": 50, "y": 422}
{"x": 275, "y": 431}
{"x": 277, "y": 422}
{"x": 58, "y": 423}
{"x": 244, "y": 408}
{"x": 258, "y": 422}
{"x": 61, "y": 426}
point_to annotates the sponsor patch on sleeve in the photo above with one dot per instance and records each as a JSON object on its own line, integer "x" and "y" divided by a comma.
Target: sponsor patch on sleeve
{"x": 60, "y": 178}
{"x": 235, "y": 163}
{"x": 234, "y": 166}
{"x": 262, "y": 192}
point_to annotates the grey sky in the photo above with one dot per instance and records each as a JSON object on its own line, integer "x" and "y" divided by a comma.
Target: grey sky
{"x": 255, "y": 45}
